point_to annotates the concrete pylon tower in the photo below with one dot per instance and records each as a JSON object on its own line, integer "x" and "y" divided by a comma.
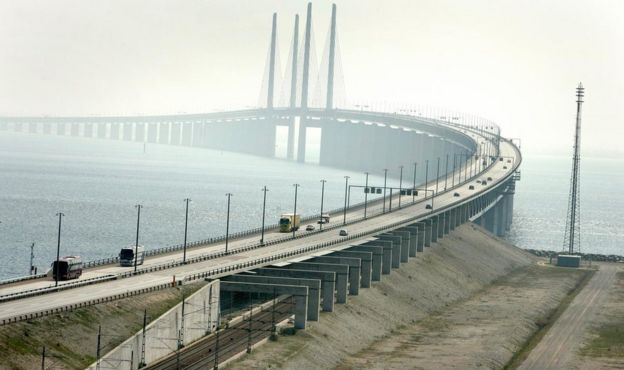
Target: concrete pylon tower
{"x": 271, "y": 93}
{"x": 332, "y": 55}
{"x": 572, "y": 239}
{"x": 306, "y": 58}
{"x": 290, "y": 151}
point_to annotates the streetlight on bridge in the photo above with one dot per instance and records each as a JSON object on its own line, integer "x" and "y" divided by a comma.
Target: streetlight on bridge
{"x": 384, "y": 192}
{"x": 321, "y": 220}
{"x": 294, "y": 229}
{"x": 414, "y": 183}
{"x": 264, "y": 190}
{"x": 426, "y": 176}
{"x": 136, "y": 245}
{"x": 58, "y": 250}
{"x": 227, "y": 223}
{"x": 400, "y": 183}
{"x": 366, "y": 195}
{"x": 187, "y": 200}
{"x": 344, "y": 217}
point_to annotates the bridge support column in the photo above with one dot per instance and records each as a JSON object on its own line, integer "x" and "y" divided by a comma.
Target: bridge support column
{"x": 101, "y": 131}
{"x": 447, "y": 222}
{"x": 300, "y": 293}
{"x": 128, "y": 128}
{"x": 342, "y": 272}
{"x": 75, "y": 129}
{"x": 420, "y": 245}
{"x": 175, "y": 133}
{"x": 355, "y": 268}
{"x": 327, "y": 278}
{"x": 396, "y": 248}
{"x": 187, "y": 133}
{"x": 434, "y": 229}
{"x": 366, "y": 264}
{"x": 428, "y": 232}
{"x": 313, "y": 285}
{"x": 376, "y": 260}
{"x": 301, "y": 147}
{"x": 152, "y": 132}
{"x": 510, "y": 210}
{"x": 139, "y": 133}
{"x": 413, "y": 239}
{"x": 405, "y": 243}
{"x": 88, "y": 130}
{"x": 163, "y": 133}
{"x": 386, "y": 261}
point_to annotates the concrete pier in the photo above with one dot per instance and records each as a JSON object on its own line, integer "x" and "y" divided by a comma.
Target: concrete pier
{"x": 327, "y": 278}
{"x": 405, "y": 244}
{"x": 314, "y": 288}
{"x": 413, "y": 239}
{"x": 366, "y": 264}
{"x": 377, "y": 256}
{"x": 299, "y": 292}
{"x": 342, "y": 274}
{"x": 396, "y": 247}
{"x": 354, "y": 269}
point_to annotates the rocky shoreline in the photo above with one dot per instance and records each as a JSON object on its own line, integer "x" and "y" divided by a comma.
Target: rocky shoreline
{"x": 584, "y": 256}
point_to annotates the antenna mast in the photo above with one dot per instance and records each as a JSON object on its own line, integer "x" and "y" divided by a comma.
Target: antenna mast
{"x": 572, "y": 239}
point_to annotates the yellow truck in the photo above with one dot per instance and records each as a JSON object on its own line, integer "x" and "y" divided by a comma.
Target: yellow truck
{"x": 289, "y": 222}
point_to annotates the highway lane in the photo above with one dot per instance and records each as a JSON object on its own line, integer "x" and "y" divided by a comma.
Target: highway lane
{"x": 173, "y": 257}
{"x": 76, "y": 295}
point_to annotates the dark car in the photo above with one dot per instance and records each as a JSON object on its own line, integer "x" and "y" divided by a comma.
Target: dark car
{"x": 456, "y": 194}
{"x": 471, "y": 187}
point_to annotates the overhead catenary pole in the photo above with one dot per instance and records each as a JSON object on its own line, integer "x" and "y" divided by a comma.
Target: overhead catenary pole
{"x": 272, "y": 63}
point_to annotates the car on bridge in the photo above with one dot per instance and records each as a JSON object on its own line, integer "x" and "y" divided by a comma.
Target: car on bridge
{"x": 310, "y": 228}
{"x": 456, "y": 194}
{"x": 343, "y": 232}
{"x": 471, "y": 187}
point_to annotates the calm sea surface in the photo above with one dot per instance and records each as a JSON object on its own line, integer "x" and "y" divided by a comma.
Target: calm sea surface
{"x": 96, "y": 184}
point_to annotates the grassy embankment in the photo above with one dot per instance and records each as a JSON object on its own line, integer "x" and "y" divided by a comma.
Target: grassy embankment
{"x": 70, "y": 338}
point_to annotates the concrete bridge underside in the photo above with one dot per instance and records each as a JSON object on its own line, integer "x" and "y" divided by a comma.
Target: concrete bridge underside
{"x": 356, "y": 141}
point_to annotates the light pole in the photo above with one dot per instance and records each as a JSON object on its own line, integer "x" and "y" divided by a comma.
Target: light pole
{"x": 446, "y": 172}
{"x": 295, "y": 210}
{"x": 414, "y": 183}
{"x": 227, "y": 223}
{"x": 322, "y": 198}
{"x": 437, "y": 176}
{"x": 384, "y": 196}
{"x": 466, "y": 168}
{"x": 426, "y": 176}
{"x": 187, "y": 200}
{"x": 264, "y": 190}
{"x": 366, "y": 195}
{"x": 58, "y": 249}
{"x": 454, "y": 158}
{"x": 344, "y": 214}
{"x": 136, "y": 245}
{"x": 400, "y": 183}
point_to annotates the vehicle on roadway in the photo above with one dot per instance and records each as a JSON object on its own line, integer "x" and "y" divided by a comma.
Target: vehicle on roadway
{"x": 343, "y": 232}
{"x": 456, "y": 194}
{"x": 68, "y": 267}
{"x": 289, "y": 222}
{"x": 324, "y": 219}
{"x": 310, "y": 228}
{"x": 127, "y": 256}
{"x": 428, "y": 206}
{"x": 471, "y": 187}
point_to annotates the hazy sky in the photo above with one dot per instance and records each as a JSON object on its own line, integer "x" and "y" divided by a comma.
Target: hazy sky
{"x": 515, "y": 62}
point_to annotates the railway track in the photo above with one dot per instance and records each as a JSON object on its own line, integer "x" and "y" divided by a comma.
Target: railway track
{"x": 231, "y": 341}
